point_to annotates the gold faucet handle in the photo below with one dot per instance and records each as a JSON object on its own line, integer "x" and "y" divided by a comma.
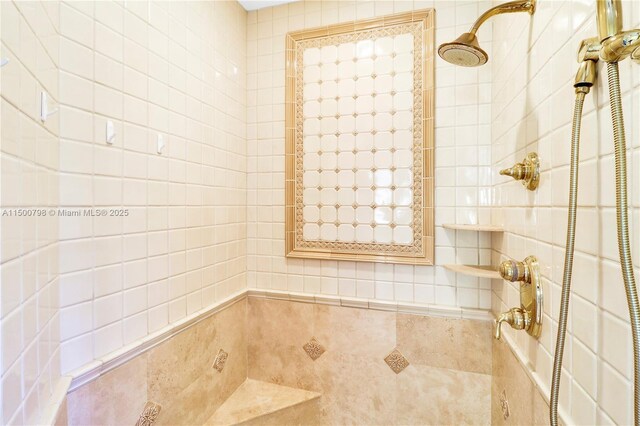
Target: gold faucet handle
{"x": 504, "y": 317}
{"x": 513, "y": 271}
{"x": 515, "y": 317}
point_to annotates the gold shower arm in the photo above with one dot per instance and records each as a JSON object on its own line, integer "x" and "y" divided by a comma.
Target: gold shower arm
{"x": 510, "y": 7}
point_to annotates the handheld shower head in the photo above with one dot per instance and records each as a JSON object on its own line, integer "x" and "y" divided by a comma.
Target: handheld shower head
{"x": 464, "y": 51}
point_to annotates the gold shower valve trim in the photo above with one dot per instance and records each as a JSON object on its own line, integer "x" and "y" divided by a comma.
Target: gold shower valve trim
{"x": 527, "y": 171}
{"x": 528, "y": 316}
{"x": 511, "y": 270}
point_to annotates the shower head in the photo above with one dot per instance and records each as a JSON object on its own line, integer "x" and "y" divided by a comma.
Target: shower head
{"x": 464, "y": 51}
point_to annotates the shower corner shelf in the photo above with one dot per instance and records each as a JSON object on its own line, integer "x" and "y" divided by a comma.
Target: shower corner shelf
{"x": 479, "y": 228}
{"x": 479, "y": 271}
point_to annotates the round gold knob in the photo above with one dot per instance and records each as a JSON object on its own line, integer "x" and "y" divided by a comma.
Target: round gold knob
{"x": 513, "y": 271}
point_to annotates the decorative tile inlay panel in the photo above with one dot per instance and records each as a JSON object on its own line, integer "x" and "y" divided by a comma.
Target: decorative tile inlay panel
{"x": 149, "y": 414}
{"x": 313, "y": 349}
{"x": 396, "y": 361}
{"x": 359, "y": 129}
{"x": 220, "y": 360}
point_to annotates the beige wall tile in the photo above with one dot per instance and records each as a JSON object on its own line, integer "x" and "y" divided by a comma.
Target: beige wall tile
{"x": 352, "y": 375}
{"x": 62, "y": 418}
{"x": 118, "y": 397}
{"x": 110, "y": 14}
{"x": 75, "y": 124}
{"x": 262, "y": 342}
{"x": 76, "y": 58}
{"x": 183, "y": 379}
{"x": 436, "y": 396}
{"x": 458, "y": 344}
{"x": 356, "y": 389}
{"x": 295, "y": 333}
{"x": 355, "y": 331}
{"x": 76, "y": 26}
{"x": 108, "y": 72}
{"x": 76, "y": 91}
{"x": 526, "y": 405}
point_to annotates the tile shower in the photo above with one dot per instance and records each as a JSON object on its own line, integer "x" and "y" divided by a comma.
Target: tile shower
{"x": 185, "y": 308}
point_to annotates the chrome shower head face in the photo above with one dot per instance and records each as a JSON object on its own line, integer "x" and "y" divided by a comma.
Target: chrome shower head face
{"x": 464, "y": 51}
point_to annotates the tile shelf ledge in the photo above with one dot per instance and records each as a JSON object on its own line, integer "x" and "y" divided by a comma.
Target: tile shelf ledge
{"x": 480, "y": 271}
{"x": 481, "y": 228}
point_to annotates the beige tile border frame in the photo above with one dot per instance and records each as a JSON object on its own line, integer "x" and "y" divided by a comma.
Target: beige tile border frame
{"x": 422, "y": 251}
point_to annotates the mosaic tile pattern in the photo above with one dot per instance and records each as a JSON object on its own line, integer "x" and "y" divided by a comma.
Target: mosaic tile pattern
{"x": 220, "y": 360}
{"x": 149, "y": 414}
{"x": 313, "y": 349}
{"x": 360, "y": 138}
{"x": 396, "y": 361}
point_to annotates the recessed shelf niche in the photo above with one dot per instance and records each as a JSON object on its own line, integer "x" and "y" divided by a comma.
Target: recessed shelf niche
{"x": 479, "y": 271}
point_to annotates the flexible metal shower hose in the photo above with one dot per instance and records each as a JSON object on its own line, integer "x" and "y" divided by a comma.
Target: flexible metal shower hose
{"x": 568, "y": 256}
{"x": 622, "y": 216}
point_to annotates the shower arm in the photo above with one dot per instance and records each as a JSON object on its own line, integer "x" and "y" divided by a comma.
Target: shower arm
{"x": 510, "y": 7}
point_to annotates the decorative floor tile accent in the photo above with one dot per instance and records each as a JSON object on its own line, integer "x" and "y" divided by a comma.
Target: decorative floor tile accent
{"x": 396, "y": 361}
{"x": 149, "y": 414}
{"x": 220, "y": 360}
{"x": 504, "y": 404}
{"x": 313, "y": 349}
